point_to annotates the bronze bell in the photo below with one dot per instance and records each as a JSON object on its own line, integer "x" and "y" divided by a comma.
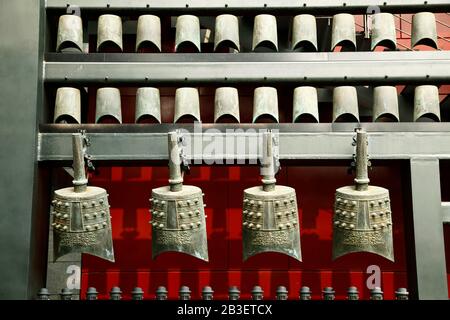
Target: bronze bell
{"x": 270, "y": 215}
{"x": 362, "y": 213}
{"x": 81, "y": 220}
{"x": 178, "y": 215}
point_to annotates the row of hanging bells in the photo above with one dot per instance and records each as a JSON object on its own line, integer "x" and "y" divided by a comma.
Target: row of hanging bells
{"x": 362, "y": 215}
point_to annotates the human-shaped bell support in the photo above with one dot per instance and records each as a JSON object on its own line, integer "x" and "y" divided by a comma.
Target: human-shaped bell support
{"x": 385, "y": 104}
{"x": 282, "y": 293}
{"x": 148, "y": 105}
{"x": 226, "y": 33}
{"x": 184, "y": 293}
{"x": 67, "y": 106}
{"x": 423, "y": 30}
{"x": 426, "y": 103}
{"x": 270, "y": 216}
{"x": 343, "y": 32}
{"x": 178, "y": 215}
{"x": 108, "y": 105}
{"x": 80, "y": 214}
{"x": 109, "y": 33}
{"x": 305, "y": 293}
{"x": 265, "y": 33}
{"x": 352, "y": 293}
{"x": 148, "y": 34}
{"x": 265, "y": 104}
{"x": 383, "y": 31}
{"x": 345, "y": 104}
{"x": 376, "y": 294}
{"x": 187, "y": 104}
{"x": 161, "y": 293}
{"x": 257, "y": 293}
{"x": 362, "y": 219}
{"x": 306, "y": 106}
{"x": 401, "y": 294}
{"x": 226, "y": 104}
{"x": 187, "y": 35}
{"x": 234, "y": 293}
{"x": 70, "y": 34}
{"x": 304, "y": 33}
{"x": 328, "y": 293}
{"x": 207, "y": 293}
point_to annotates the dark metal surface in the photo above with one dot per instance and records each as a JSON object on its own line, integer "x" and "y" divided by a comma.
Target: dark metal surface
{"x": 428, "y": 229}
{"x": 330, "y": 68}
{"x": 251, "y": 6}
{"x": 316, "y": 141}
{"x": 23, "y": 229}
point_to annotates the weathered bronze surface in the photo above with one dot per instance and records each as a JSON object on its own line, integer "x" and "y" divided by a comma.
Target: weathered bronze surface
{"x": 362, "y": 219}
{"x": 80, "y": 214}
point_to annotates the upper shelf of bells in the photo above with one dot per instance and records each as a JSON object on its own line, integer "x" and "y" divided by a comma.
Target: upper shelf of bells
{"x": 240, "y": 6}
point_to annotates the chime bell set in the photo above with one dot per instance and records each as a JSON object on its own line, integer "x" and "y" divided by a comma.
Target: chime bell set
{"x": 362, "y": 214}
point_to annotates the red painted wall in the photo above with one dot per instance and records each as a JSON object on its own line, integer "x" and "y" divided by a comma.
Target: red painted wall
{"x": 130, "y": 188}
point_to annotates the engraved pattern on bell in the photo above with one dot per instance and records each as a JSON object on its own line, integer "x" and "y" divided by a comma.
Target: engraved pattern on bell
{"x": 179, "y": 222}
{"x": 81, "y": 223}
{"x": 270, "y": 222}
{"x": 362, "y": 219}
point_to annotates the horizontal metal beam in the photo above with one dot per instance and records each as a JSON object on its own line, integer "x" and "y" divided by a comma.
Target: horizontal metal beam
{"x": 446, "y": 212}
{"x": 294, "y": 6}
{"x": 296, "y": 141}
{"x": 334, "y": 68}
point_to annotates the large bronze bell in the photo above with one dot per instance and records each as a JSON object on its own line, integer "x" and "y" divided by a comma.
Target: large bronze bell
{"x": 81, "y": 220}
{"x": 270, "y": 215}
{"x": 178, "y": 215}
{"x": 362, "y": 213}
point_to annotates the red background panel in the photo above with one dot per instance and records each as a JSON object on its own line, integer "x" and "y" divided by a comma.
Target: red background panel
{"x": 129, "y": 189}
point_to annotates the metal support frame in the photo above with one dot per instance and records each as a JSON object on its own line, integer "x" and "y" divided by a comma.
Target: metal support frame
{"x": 25, "y": 181}
{"x": 326, "y": 68}
{"x": 253, "y": 6}
{"x": 297, "y": 141}
{"x": 428, "y": 229}
{"x": 23, "y": 232}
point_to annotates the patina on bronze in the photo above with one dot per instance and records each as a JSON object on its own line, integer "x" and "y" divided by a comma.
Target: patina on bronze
{"x": 270, "y": 215}
{"x": 81, "y": 220}
{"x": 362, "y": 213}
{"x": 178, "y": 215}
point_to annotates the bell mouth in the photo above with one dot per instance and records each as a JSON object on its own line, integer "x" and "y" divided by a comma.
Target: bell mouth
{"x": 109, "y": 46}
{"x": 227, "y": 118}
{"x": 265, "y": 118}
{"x": 386, "y": 117}
{"x": 304, "y": 46}
{"x": 347, "y": 117}
{"x": 187, "y": 118}
{"x": 108, "y": 119}
{"x": 265, "y": 46}
{"x": 344, "y": 46}
{"x": 306, "y": 118}
{"x": 385, "y": 43}
{"x": 147, "y": 118}
{"x": 66, "y": 119}
{"x": 147, "y": 46}
{"x": 187, "y": 46}
{"x": 226, "y": 46}
{"x": 69, "y": 47}
{"x": 429, "y": 42}
{"x": 428, "y": 117}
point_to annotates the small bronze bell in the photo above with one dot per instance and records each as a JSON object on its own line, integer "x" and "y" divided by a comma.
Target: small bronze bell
{"x": 178, "y": 215}
{"x": 362, "y": 213}
{"x": 81, "y": 220}
{"x": 270, "y": 216}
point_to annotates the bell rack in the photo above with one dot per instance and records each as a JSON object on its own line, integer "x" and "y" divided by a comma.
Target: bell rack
{"x": 31, "y": 148}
